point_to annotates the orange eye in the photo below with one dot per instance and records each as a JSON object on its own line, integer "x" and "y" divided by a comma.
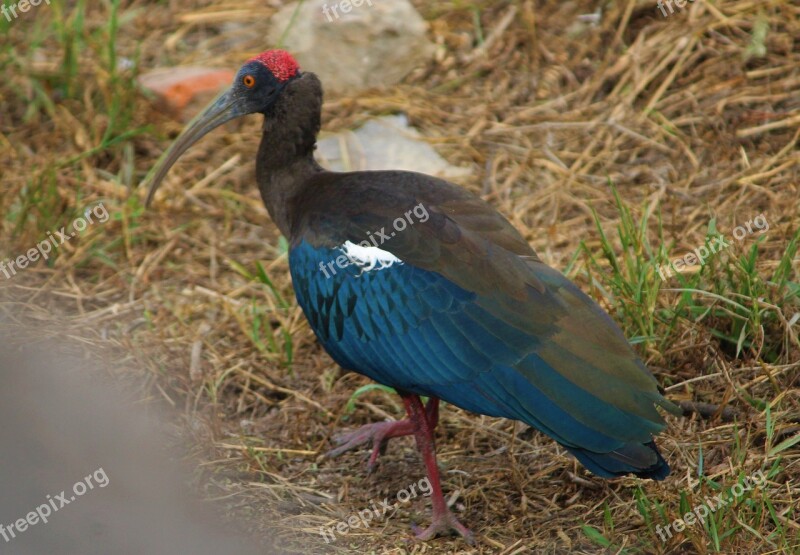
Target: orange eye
{"x": 249, "y": 81}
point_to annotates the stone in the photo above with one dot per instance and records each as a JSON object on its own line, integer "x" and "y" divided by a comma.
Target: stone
{"x": 183, "y": 91}
{"x": 385, "y": 143}
{"x": 353, "y": 44}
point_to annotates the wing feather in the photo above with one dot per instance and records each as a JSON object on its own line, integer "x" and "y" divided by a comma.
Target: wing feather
{"x": 472, "y": 316}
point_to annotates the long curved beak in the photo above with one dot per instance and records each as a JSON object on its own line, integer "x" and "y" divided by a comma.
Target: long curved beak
{"x": 222, "y": 109}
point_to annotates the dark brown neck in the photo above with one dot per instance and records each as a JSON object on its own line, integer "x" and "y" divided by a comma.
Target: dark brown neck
{"x": 286, "y": 155}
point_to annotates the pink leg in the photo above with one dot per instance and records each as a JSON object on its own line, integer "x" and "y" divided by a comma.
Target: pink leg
{"x": 379, "y": 433}
{"x": 443, "y": 520}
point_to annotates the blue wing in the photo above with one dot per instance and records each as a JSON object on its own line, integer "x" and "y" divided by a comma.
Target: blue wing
{"x": 415, "y": 330}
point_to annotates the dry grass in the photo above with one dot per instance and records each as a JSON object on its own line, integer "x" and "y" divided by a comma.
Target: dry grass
{"x": 693, "y": 118}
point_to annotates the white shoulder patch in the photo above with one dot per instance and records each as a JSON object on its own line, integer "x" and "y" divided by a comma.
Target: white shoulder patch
{"x": 368, "y": 258}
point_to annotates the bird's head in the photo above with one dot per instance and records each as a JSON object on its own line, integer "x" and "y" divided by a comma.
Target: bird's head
{"x": 257, "y": 86}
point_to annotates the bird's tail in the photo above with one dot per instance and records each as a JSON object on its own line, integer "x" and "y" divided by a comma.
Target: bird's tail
{"x": 642, "y": 460}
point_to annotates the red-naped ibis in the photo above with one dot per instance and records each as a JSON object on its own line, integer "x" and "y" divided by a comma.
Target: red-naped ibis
{"x": 453, "y": 306}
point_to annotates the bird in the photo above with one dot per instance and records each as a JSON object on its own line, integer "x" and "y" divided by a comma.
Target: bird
{"x": 424, "y": 287}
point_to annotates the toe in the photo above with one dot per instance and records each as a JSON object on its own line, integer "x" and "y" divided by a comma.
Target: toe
{"x": 447, "y": 525}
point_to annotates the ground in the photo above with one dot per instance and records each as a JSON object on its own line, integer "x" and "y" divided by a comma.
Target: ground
{"x": 615, "y": 143}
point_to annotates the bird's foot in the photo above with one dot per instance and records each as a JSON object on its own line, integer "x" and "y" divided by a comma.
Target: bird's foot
{"x": 443, "y": 524}
{"x": 379, "y": 433}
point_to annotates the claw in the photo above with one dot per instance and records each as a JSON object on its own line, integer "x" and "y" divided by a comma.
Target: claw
{"x": 378, "y": 433}
{"x": 443, "y": 524}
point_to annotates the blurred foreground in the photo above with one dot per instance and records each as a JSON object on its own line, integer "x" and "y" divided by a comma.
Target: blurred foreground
{"x": 83, "y": 471}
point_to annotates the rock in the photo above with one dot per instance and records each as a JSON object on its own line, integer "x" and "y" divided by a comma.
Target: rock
{"x": 386, "y": 143}
{"x": 354, "y": 44}
{"x": 184, "y": 90}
